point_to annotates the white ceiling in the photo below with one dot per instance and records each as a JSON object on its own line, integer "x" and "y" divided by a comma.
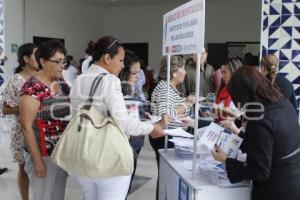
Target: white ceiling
{"x": 117, "y": 3}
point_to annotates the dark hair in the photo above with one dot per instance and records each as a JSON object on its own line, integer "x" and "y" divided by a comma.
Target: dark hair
{"x": 232, "y": 64}
{"x": 189, "y": 61}
{"x": 105, "y": 45}
{"x": 47, "y": 49}
{"x": 250, "y": 60}
{"x": 68, "y": 60}
{"x": 90, "y": 47}
{"x": 24, "y": 50}
{"x": 248, "y": 85}
{"x": 130, "y": 58}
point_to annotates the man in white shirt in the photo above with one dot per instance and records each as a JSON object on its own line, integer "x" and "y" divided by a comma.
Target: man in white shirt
{"x": 86, "y": 64}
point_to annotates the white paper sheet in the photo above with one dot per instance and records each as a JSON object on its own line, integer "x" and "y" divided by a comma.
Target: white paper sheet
{"x": 182, "y": 142}
{"x": 178, "y": 132}
{"x": 211, "y": 135}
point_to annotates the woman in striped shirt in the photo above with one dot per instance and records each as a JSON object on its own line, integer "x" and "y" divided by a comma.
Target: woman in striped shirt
{"x": 177, "y": 106}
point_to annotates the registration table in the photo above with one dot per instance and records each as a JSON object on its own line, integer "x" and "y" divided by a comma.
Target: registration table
{"x": 175, "y": 183}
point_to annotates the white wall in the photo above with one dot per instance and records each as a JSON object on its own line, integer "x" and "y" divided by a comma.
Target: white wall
{"x": 138, "y": 24}
{"x": 13, "y": 30}
{"x": 77, "y": 23}
{"x": 230, "y": 20}
{"x": 68, "y": 19}
{"x": 233, "y": 20}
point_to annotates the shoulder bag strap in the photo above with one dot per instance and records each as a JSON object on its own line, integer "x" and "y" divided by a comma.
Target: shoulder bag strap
{"x": 94, "y": 87}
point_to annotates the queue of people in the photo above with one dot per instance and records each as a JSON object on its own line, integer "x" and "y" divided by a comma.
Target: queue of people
{"x": 45, "y": 90}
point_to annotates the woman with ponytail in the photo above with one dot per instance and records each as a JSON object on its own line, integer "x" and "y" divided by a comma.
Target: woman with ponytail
{"x": 88, "y": 57}
{"x": 11, "y": 100}
{"x": 269, "y": 68}
{"x": 108, "y": 60}
{"x": 70, "y": 71}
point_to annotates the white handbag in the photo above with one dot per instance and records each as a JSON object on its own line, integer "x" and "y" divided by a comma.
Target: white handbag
{"x": 93, "y": 145}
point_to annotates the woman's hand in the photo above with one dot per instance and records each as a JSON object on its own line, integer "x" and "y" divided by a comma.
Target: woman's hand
{"x": 187, "y": 121}
{"x": 206, "y": 114}
{"x": 165, "y": 120}
{"x": 190, "y": 100}
{"x": 157, "y": 131}
{"x": 218, "y": 154}
{"x": 230, "y": 125}
{"x": 160, "y": 125}
{"x": 40, "y": 168}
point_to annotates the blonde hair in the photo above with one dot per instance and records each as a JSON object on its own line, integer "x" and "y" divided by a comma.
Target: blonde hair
{"x": 176, "y": 63}
{"x": 270, "y": 62}
{"x": 232, "y": 64}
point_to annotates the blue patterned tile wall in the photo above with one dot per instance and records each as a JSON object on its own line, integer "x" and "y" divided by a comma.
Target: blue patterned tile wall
{"x": 1, "y": 40}
{"x": 281, "y": 36}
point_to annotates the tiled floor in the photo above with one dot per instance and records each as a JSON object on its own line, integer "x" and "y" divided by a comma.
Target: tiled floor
{"x": 144, "y": 184}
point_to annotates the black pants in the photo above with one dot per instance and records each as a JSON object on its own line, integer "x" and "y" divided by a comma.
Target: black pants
{"x": 158, "y": 143}
{"x": 137, "y": 152}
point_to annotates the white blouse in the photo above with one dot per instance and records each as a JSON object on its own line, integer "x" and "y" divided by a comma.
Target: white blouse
{"x": 108, "y": 98}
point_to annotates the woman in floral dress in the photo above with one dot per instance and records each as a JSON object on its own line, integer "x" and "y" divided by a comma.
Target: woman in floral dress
{"x": 11, "y": 99}
{"x": 43, "y": 105}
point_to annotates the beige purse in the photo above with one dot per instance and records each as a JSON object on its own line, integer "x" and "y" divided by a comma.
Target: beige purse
{"x": 93, "y": 145}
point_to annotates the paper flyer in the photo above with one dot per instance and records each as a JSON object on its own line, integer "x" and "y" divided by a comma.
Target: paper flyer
{"x": 211, "y": 135}
{"x": 216, "y": 135}
{"x": 229, "y": 143}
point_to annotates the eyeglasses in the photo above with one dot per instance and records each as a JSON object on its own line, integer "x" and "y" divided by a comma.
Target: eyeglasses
{"x": 112, "y": 44}
{"x": 59, "y": 62}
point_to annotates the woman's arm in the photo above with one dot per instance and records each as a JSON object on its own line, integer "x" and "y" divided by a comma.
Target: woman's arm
{"x": 114, "y": 102}
{"x": 28, "y": 109}
{"x": 7, "y": 110}
{"x": 11, "y": 96}
{"x": 259, "y": 155}
{"x": 184, "y": 108}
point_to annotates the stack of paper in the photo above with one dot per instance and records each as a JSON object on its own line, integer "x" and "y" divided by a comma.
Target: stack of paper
{"x": 178, "y": 132}
{"x": 183, "y": 147}
{"x": 183, "y": 142}
{"x": 215, "y": 173}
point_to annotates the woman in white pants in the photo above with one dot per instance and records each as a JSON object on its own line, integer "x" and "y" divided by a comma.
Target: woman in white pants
{"x": 108, "y": 56}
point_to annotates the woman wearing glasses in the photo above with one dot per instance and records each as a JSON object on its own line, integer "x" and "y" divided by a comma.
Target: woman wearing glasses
{"x": 11, "y": 100}
{"x": 108, "y": 58}
{"x": 41, "y": 122}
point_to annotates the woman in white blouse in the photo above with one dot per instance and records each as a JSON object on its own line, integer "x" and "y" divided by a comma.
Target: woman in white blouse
{"x": 108, "y": 56}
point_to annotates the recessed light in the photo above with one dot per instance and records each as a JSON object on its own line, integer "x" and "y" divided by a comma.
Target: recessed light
{"x": 112, "y": 0}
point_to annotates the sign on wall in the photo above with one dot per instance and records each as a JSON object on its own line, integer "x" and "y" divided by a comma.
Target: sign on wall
{"x": 183, "y": 29}
{"x": 14, "y": 48}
